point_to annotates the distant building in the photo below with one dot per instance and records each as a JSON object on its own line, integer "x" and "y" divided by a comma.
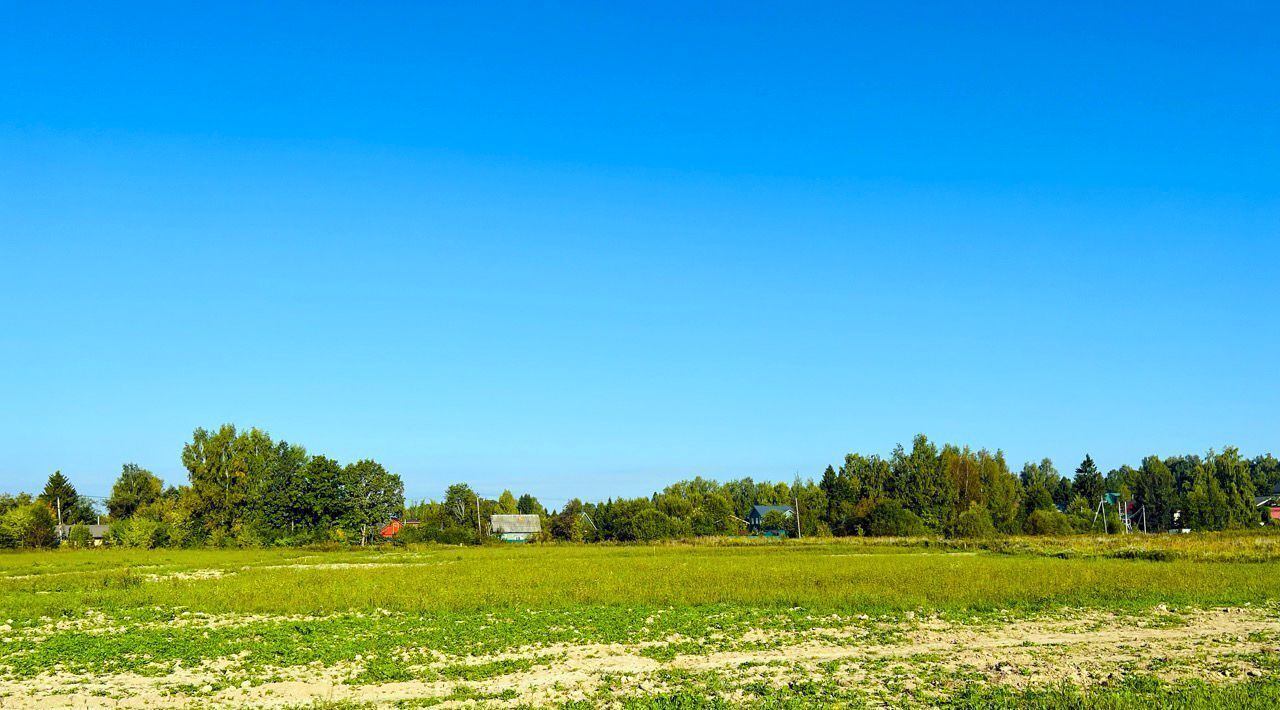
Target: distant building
{"x": 515, "y": 528}
{"x": 755, "y": 519}
{"x": 97, "y": 532}
{"x": 1270, "y": 504}
{"x": 390, "y": 529}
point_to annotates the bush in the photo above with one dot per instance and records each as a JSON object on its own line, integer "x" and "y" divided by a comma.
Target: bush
{"x": 140, "y": 532}
{"x": 974, "y": 523}
{"x": 428, "y": 533}
{"x": 777, "y": 521}
{"x": 653, "y": 524}
{"x": 29, "y": 525}
{"x": 889, "y": 519}
{"x": 1047, "y": 522}
{"x": 79, "y": 536}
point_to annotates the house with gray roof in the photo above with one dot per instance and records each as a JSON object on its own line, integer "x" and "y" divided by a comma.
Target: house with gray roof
{"x": 515, "y": 528}
{"x": 98, "y": 533}
{"x": 755, "y": 519}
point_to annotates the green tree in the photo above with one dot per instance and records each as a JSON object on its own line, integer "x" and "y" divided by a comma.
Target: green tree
{"x": 1154, "y": 493}
{"x": 714, "y": 515}
{"x": 652, "y": 524}
{"x": 889, "y": 519}
{"x": 374, "y": 496}
{"x": 61, "y": 497}
{"x": 507, "y": 504}
{"x": 973, "y": 523}
{"x": 569, "y": 524}
{"x": 776, "y": 521}
{"x": 282, "y": 501}
{"x": 79, "y": 536}
{"x": 30, "y": 525}
{"x": 1206, "y": 503}
{"x": 1265, "y": 471}
{"x": 1036, "y": 498}
{"x": 1001, "y": 491}
{"x": 460, "y": 503}
{"x": 226, "y": 468}
{"x": 812, "y": 503}
{"x": 963, "y": 473}
{"x": 841, "y": 491}
{"x": 1062, "y": 492}
{"x": 1236, "y": 484}
{"x": 326, "y": 499}
{"x": 1043, "y": 474}
{"x": 136, "y": 487}
{"x": 528, "y": 505}
{"x": 862, "y": 480}
{"x": 1047, "y": 522}
{"x": 920, "y": 484}
{"x": 1080, "y": 514}
{"x": 1089, "y": 482}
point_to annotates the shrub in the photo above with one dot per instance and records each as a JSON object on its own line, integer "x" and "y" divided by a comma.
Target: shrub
{"x": 29, "y": 525}
{"x": 428, "y": 533}
{"x": 889, "y": 519}
{"x": 1047, "y": 522}
{"x": 777, "y": 521}
{"x": 140, "y": 532}
{"x": 653, "y": 524}
{"x": 974, "y": 523}
{"x": 79, "y": 536}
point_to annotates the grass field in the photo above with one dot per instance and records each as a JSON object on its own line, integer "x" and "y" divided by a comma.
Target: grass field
{"x": 1110, "y": 622}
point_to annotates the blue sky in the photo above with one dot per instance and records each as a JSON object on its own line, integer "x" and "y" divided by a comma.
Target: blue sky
{"x": 590, "y": 249}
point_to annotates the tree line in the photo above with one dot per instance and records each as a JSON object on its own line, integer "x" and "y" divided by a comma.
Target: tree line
{"x": 245, "y": 489}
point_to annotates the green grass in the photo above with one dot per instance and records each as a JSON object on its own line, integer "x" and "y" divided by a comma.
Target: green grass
{"x": 839, "y": 577}
{"x": 441, "y": 614}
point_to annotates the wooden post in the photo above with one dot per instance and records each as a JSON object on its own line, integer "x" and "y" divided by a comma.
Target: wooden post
{"x": 799, "y": 534}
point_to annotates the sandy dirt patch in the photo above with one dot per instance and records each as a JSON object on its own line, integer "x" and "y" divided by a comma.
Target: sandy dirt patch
{"x": 1084, "y": 648}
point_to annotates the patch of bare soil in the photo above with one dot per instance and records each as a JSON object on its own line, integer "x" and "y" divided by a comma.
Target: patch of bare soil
{"x": 1084, "y": 648}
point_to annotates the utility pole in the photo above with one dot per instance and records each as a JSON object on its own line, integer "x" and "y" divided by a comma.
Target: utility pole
{"x": 1101, "y": 510}
{"x": 479, "y": 535}
{"x": 799, "y": 534}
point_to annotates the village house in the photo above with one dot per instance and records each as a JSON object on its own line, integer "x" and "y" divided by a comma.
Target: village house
{"x": 98, "y": 533}
{"x": 515, "y": 528}
{"x": 1269, "y": 504}
{"x": 755, "y": 519}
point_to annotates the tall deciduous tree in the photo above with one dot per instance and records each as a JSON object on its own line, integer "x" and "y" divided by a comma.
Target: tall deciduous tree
{"x": 325, "y": 495}
{"x": 374, "y": 495}
{"x": 281, "y": 502}
{"x": 30, "y": 525}
{"x": 460, "y": 503}
{"x": 1232, "y": 472}
{"x": 1001, "y": 490}
{"x": 507, "y": 504}
{"x": 1265, "y": 471}
{"x": 920, "y": 484}
{"x": 964, "y": 476}
{"x": 225, "y": 468}
{"x": 135, "y": 488}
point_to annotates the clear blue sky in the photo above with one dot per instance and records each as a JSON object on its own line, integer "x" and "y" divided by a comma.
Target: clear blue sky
{"x": 590, "y": 249}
